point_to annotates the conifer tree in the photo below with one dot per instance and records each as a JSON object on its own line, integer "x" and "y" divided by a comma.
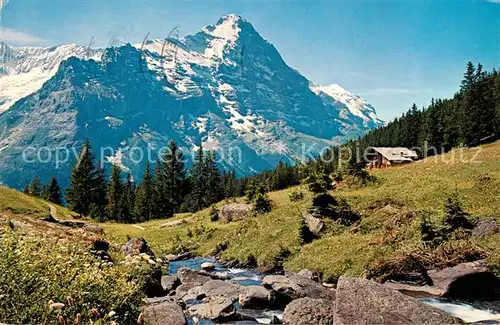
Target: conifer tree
{"x": 173, "y": 178}
{"x": 80, "y": 192}
{"x": 115, "y": 191}
{"x": 144, "y": 199}
{"x": 98, "y": 208}
{"x": 214, "y": 190}
{"x": 53, "y": 192}
{"x": 199, "y": 182}
{"x": 35, "y": 187}
{"x": 126, "y": 205}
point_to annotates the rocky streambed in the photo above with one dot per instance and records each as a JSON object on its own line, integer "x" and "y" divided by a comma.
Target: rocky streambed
{"x": 203, "y": 291}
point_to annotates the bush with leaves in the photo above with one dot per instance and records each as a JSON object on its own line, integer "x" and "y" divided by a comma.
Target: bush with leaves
{"x": 431, "y": 234}
{"x": 454, "y": 216}
{"x": 214, "y": 213}
{"x": 66, "y": 276}
{"x": 261, "y": 203}
{"x": 296, "y": 196}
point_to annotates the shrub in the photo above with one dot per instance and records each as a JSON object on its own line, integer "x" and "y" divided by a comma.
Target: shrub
{"x": 319, "y": 182}
{"x": 262, "y": 203}
{"x": 214, "y": 214}
{"x": 454, "y": 216}
{"x": 37, "y": 270}
{"x": 325, "y": 205}
{"x": 296, "y": 196}
{"x": 430, "y": 234}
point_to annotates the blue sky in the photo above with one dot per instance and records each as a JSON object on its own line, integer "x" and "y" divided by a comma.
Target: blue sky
{"x": 393, "y": 53}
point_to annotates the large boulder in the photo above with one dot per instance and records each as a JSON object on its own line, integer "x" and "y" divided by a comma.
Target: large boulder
{"x": 213, "y": 288}
{"x": 170, "y": 283}
{"x": 218, "y": 310}
{"x": 136, "y": 246}
{"x": 466, "y": 280}
{"x": 234, "y": 211}
{"x": 307, "y": 311}
{"x": 256, "y": 297}
{"x": 190, "y": 279}
{"x": 361, "y": 301}
{"x": 485, "y": 227}
{"x": 165, "y": 313}
{"x": 293, "y": 286}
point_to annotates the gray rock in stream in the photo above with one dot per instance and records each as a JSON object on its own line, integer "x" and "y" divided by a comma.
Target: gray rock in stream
{"x": 165, "y": 313}
{"x": 307, "y": 311}
{"x": 256, "y": 297}
{"x": 170, "y": 283}
{"x": 217, "y": 309}
{"x": 361, "y": 301}
{"x": 466, "y": 280}
{"x": 221, "y": 288}
{"x": 293, "y": 286}
{"x": 189, "y": 280}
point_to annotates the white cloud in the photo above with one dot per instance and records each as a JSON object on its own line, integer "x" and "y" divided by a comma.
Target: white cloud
{"x": 493, "y": 1}
{"x": 16, "y": 37}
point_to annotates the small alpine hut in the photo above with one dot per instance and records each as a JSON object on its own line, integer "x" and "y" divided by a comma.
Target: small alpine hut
{"x": 385, "y": 157}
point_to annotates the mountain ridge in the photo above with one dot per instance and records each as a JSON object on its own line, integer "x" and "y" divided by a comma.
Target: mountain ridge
{"x": 224, "y": 87}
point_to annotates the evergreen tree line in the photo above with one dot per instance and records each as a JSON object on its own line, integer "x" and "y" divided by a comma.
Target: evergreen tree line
{"x": 50, "y": 192}
{"x": 167, "y": 189}
{"x": 470, "y": 118}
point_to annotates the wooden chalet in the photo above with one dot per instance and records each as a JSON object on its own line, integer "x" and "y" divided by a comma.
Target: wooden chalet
{"x": 385, "y": 157}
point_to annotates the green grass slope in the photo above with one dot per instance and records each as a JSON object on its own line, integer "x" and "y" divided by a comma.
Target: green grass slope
{"x": 390, "y": 209}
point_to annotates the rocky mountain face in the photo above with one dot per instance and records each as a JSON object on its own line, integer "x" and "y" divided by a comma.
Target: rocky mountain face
{"x": 224, "y": 87}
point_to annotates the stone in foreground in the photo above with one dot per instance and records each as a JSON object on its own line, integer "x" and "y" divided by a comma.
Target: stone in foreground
{"x": 361, "y": 301}
{"x": 166, "y": 313}
{"x": 466, "y": 280}
{"x": 292, "y": 286}
{"x": 307, "y": 311}
{"x": 256, "y": 297}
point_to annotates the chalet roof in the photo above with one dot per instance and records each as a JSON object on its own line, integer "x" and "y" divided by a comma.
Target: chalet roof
{"x": 397, "y": 153}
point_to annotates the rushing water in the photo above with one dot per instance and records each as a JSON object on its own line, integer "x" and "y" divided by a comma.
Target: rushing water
{"x": 468, "y": 312}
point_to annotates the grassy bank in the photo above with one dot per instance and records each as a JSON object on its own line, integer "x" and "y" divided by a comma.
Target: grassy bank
{"x": 391, "y": 210}
{"x": 50, "y": 274}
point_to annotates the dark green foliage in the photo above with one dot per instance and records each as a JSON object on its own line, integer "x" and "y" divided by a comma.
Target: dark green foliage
{"x": 454, "y": 216}
{"x": 170, "y": 181}
{"x": 52, "y": 192}
{"x": 214, "y": 192}
{"x": 195, "y": 200}
{"x": 84, "y": 178}
{"x": 261, "y": 203}
{"x": 144, "y": 199}
{"x": 431, "y": 234}
{"x": 455, "y": 224}
{"x": 115, "y": 191}
{"x": 127, "y": 200}
{"x": 26, "y": 190}
{"x": 324, "y": 205}
{"x": 319, "y": 182}
{"x": 296, "y": 196}
{"x": 35, "y": 188}
{"x": 214, "y": 214}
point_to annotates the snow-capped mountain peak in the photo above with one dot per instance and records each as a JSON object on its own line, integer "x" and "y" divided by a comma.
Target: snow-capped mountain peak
{"x": 23, "y": 70}
{"x": 356, "y": 105}
{"x": 225, "y": 87}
